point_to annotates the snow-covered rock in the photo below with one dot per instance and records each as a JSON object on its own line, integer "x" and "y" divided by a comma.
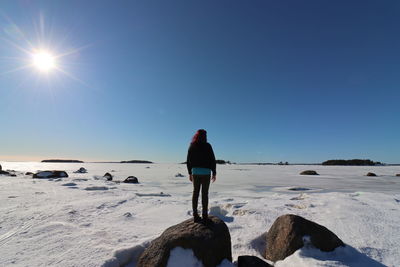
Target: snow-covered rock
{"x": 50, "y": 174}
{"x": 131, "y": 180}
{"x": 81, "y": 170}
{"x": 287, "y": 234}
{"x": 210, "y": 243}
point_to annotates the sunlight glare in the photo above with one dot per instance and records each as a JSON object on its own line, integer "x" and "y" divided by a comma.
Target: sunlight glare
{"x": 43, "y": 61}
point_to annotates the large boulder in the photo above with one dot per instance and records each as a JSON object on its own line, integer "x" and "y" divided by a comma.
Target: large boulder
{"x": 370, "y": 174}
{"x": 131, "y": 180}
{"x": 209, "y": 241}
{"x": 286, "y": 236}
{"x": 251, "y": 261}
{"x": 309, "y": 172}
{"x": 50, "y": 174}
{"x": 108, "y": 176}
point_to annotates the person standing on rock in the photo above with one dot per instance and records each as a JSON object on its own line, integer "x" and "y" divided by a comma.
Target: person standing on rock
{"x": 201, "y": 164}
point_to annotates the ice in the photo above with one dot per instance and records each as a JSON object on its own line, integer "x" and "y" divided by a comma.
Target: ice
{"x": 45, "y": 223}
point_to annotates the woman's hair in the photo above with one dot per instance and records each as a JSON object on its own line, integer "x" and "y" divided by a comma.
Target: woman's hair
{"x": 199, "y": 137}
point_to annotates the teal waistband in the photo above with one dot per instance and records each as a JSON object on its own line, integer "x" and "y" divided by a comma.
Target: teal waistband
{"x": 201, "y": 171}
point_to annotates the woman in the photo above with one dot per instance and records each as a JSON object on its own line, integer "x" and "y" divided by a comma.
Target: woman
{"x": 200, "y": 164}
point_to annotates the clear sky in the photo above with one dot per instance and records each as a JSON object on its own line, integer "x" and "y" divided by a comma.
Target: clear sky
{"x": 296, "y": 81}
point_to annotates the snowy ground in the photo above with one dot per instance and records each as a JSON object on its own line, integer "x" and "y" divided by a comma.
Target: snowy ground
{"x": 84, "y": 220}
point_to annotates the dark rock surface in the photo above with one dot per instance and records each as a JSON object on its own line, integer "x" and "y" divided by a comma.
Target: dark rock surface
{"x": 108, "y": 176}
{"x": 309, "y": 172}
{"x": 398, "y": 174}
{"x": 29, "y": 173}
{"x": 286, "y": 236}
{"x": 6, "y": 172}
{"x": 131, "y": 180}
{"x": 50, "y": 174}
{"x": 299, "y": 189}
{"x": 210, "y": 242}
{"x": 370, "y": 174}
{"x": 81, "y": 170}
{"x": 251, "y": 261}
{"x": 179, "y": 175}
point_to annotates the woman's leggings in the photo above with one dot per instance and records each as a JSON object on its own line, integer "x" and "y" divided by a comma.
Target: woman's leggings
{"x": 202, "y": 181}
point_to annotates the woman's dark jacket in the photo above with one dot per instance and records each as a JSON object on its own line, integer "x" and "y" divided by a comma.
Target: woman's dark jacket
{"x": 201, "y": 155}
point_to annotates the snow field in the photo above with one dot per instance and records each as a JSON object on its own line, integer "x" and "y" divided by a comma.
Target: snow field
{"x": 84, "y": 220}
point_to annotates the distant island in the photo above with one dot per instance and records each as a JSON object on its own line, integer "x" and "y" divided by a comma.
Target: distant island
{"x": 221, "y": 161}
{"x": 62, "y": 161}
{"x": 136, "y": 161}
{"x": 351, "y": 162}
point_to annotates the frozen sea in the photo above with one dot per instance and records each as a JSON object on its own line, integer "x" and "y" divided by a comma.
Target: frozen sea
{"x": 84, "y": 220}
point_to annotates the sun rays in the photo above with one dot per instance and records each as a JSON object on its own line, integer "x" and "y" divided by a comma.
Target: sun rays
{"x": 39, "y": 54}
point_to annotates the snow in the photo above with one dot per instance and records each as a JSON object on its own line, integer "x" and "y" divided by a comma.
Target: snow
{"x": 84, "y": 220}
{"x": 185, "y": 257}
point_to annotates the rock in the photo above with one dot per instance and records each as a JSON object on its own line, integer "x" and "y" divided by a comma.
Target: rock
{"x": 299, "y": 189}
{"x": 286, "y": 236}
{"x": 6, "y": 172}
{"x": 309, "y": 172}
{"x": 131, "y": 180}
{"x": 251, "y": 261}
{"x": 108, "y": 176}
{"x": 50, "y": 174}
{"x": 128, "y": 214}
{"x": 398, "y": 174}
{"x": 81, "y": 170}
{"x": 29, "y": 173}
{"x": 370, "y": 174}
{"x": 179, "y": 175}
{"x": 210, "y": 242}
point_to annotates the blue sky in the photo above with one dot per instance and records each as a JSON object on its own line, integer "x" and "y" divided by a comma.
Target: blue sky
{"x": 297, "y": 81}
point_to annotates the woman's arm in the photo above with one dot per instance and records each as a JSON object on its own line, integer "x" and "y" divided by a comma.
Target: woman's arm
{"x": 188, "y": 162}
{"x": 213, "y": 164}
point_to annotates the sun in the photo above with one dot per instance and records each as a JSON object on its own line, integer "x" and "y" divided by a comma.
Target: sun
{"x": 44, "y": 61}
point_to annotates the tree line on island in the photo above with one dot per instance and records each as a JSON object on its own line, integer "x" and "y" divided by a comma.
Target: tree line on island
{"x": 351, "y": 162}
